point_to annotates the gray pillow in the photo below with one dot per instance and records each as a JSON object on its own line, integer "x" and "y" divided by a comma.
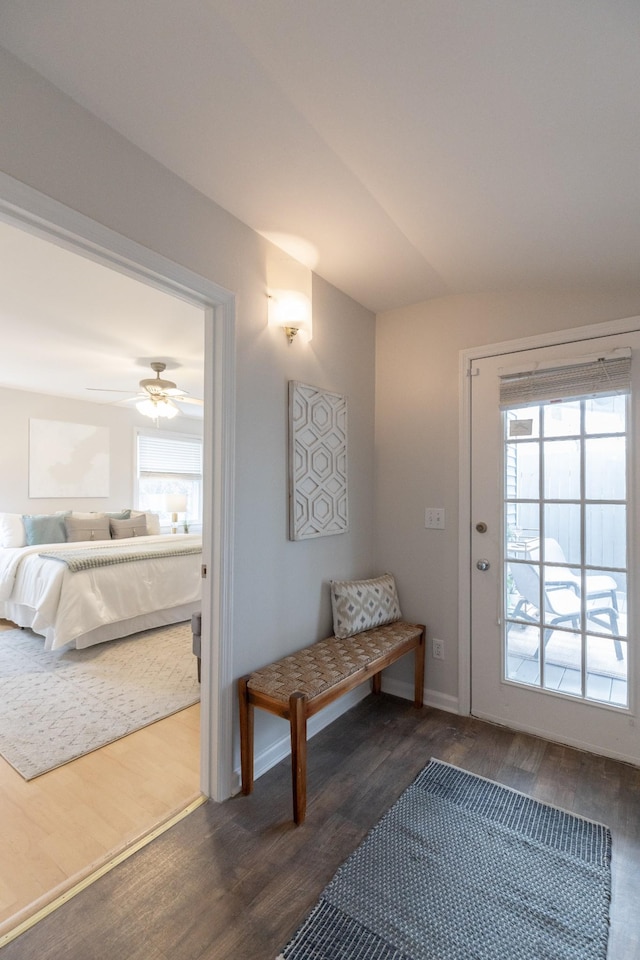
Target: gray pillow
{"x": 360, "y": 605}
{"x": 128, "y": 528}
{"x": 96, "y": 528}
{"x": 44, "y": 528}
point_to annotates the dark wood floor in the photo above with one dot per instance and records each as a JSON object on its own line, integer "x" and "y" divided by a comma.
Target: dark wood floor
{"x": 233, "y": 881}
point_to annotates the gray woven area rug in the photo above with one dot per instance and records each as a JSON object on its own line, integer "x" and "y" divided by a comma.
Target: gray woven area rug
{"x": 462, "y": 868}
{"x": 57, "y": 706}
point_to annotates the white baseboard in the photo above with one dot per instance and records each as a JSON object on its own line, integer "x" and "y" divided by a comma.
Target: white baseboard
{"x": 432, "y": 698}
{"x": 282, "y": 748}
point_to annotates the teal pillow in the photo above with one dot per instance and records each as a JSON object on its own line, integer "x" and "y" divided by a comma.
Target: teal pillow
{"x": 120, "y": 515}
{"x": 45, "y": 528}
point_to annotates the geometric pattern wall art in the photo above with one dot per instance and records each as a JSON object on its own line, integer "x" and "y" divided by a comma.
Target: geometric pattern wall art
{"x": 318, "y": 502}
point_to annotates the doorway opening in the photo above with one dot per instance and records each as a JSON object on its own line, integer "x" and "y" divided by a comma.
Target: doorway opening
{"x": 31, "y": 211}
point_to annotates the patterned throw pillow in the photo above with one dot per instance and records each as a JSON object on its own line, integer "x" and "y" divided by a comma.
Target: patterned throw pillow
{"x": 359, "y": 605}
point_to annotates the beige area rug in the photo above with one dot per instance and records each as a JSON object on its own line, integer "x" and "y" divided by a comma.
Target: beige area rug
{"x": 55, "y": 707}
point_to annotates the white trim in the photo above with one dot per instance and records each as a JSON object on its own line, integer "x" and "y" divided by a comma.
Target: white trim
{"x": 575, "y": 742}
{"x": 217, "y": 609}
{"x": 34, "y": 211}
{"x": 432, "y": 698}
{"x": 31, "y": 210}
{"x": 467, "y": 358}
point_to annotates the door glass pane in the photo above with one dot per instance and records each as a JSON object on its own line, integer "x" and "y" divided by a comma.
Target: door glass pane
{"x": 522, "y": 470}
{"x": 605, "y": 415}
{"x": 606, "y": 535}
{"x": 607, "y": 671}
{"x": 522, "y": 522}
{"x": 562, "y": 470}
{"x": 562, "y": 532}
{"x": 605, "y": 474}
{"x": 522, "y": 653}
{"x": 562, "y": 419}
{"x": 523, "y": 422}
{"x": 606, "y": 601}
{"x": 523, "y": 592}
{"x": 563, "y": 662}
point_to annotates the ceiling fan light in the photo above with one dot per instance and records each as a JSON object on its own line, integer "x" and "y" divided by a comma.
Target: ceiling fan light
{"x": 167, "y": 410}
{"x": 157, "y": 409}
{"x": 147, "y": 408}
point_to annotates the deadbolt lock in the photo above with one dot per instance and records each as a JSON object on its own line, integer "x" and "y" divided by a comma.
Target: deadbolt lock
{"x": 481, "y": 527}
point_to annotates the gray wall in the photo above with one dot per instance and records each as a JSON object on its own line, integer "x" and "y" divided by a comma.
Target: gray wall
{"x": 417, "y": 424}
{"x": 17, "y": 407}
{"x": 281, "y": 597}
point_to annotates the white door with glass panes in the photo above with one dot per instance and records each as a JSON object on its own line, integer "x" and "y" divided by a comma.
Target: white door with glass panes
{"x": 554, "y": 526}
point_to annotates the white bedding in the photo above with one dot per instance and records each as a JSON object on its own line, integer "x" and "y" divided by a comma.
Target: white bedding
{"x": 103, "y": 603}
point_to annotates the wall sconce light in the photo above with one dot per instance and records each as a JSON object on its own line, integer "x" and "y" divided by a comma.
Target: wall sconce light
{"x": 175, "y": 503}
{"x": 292, "y": 311}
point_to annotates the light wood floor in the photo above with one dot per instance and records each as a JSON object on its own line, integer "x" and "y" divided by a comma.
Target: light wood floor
{"x": 61, "y": 826}
{"x": 234, "y": 880}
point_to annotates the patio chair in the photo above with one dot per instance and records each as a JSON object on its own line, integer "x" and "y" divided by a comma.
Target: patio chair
{"x": 598, "y": 586}
{"x": 561, "y": 605}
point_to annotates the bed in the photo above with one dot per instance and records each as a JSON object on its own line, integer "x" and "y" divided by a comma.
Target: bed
{"x": 87, "y": 592}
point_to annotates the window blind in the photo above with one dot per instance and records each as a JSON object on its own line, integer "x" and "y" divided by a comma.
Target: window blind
{"x": 595, "y": 378}
{"x": 169, "y": 455}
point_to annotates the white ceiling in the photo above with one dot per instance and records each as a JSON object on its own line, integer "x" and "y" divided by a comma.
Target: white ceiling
{"x": 411, "y": 149}
{"x": 69, "y": 323}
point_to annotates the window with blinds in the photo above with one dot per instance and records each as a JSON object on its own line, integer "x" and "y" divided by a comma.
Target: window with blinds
{"x": 170, "y": 465}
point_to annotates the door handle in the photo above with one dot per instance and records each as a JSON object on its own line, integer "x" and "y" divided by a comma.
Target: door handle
{"x": 483, "y": 565}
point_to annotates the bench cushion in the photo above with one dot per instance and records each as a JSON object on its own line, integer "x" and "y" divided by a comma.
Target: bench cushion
{"x": 359, "y": 605}
{"x": 314, "y": 669}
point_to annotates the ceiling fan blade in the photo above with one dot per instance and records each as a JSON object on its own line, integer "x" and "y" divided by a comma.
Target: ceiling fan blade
{"x": 199, "y": 403}
{"x": 174, "y": 392}
{"x": 106, "y": 390}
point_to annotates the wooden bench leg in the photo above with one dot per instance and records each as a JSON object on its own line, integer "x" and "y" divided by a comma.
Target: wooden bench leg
{"x": 246, "y": 735}
{"x": 298, "y": 720}
{"x": 419, "y": 670}
{"x": 376, "y": 682}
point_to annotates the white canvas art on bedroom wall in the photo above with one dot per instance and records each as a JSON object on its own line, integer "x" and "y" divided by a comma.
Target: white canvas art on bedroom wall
{"x": 68, "y": 459}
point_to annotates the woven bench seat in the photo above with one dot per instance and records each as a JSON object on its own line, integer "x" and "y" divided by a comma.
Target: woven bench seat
{"x": 299, "y": 685}
{"x": 323, "y": 664}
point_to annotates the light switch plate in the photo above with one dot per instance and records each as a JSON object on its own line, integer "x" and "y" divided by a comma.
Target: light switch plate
{"x": 434, "y": 518}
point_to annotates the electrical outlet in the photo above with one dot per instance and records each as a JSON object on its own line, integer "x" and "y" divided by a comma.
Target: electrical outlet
{"x": 438, "y": 649}
{"x": 434, "y": 518}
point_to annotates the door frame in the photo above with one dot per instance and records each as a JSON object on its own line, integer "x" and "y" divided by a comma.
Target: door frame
{"x": 467, "y": 358}
{"x": 24, "y": 207}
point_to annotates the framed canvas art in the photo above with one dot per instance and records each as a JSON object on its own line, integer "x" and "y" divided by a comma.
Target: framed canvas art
{"x": 68, "y": 459}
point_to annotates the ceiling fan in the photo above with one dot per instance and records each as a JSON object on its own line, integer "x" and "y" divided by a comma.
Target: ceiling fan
{"x": 157, "y": 396}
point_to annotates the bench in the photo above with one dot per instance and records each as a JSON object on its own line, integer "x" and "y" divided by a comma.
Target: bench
{"x": 299, "y": 685}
